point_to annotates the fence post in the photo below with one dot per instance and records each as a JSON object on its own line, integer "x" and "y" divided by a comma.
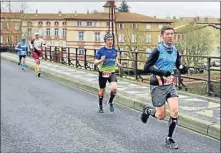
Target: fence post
{"x": 85, "y": 58}
{"x": 76, "y": 57}
{"x": 94, "y": 59}
{"x": 56, "y": 54}
{"x": 45, "y": 53}
{"x": 136, "y": 77}
{"x": 209, "y": 77}
{"x": 50, "y": 53}
{"x": 69, "y": 60}
{"x": 179, "y": 77}
{"x": 62, "y": 56}
{"x": 120, "y": 61}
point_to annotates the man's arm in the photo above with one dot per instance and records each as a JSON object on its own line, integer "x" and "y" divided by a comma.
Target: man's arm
{"x": 118, "y": 64}
{"x": 149, "y": 65}
{"x": 98, "y": 58}
{"x": 182, "y": 68}
{"x": 43, "y": 42}
{"x": 17, "y": 48}
{"x": 178, "y": 62}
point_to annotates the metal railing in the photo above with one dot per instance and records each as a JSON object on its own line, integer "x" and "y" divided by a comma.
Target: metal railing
{"x": 133, "y": 66}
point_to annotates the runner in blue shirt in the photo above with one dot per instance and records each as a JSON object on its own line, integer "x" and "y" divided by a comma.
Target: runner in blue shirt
{"x": 22, "y": 49}
{"x": 106, "y": 59}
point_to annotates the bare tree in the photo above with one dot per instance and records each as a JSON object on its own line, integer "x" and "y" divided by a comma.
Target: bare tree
{"x": 13, "y": 19}
{"x": 134, "y": 40}
{"x": 196, "y": 41}
{"x": 23, "y": 18}
{"x": 7, "y": 19}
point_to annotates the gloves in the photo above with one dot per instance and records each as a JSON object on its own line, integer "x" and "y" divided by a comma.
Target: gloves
{"x": 183, "y": 69}
{"x": 166, "y": 73}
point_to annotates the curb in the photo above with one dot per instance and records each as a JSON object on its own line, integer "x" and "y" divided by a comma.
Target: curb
{"x": 186, "y": 121}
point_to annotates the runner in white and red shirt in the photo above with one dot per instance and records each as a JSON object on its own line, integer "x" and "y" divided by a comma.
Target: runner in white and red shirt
{"x": 37, "y": 44}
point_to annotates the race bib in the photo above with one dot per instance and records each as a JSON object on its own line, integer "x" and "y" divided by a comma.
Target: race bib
{"x": 165, "y": 80}
{"x": 169, "y": 80}
{"x": 106, "y": 74}
{"x": 22, "y": 52}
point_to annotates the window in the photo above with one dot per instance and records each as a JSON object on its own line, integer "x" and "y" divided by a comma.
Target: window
{"x": 56, "y": 23}
{"x": 182, "y": 37}
{"x": 97, "y": 24}
{"x": 29, "y": 23}
{"x": 89, "y": 24}
{"x": 1, "y": 26}
{"x": 134, "y": 38}
{"x": 40, "y": 23}
{"x": 218, "y": 48}
{"x": 48, "y": 23}
{"x": 148, "y": 40}
{"x": 148, "y": 26}
{"x": 160, "y": 26}
{"x": 64, "y": 23}
{"x": 109, "y": 24}
{"x": 80, "y": 36}
{"x": 81, "y": 51}
{"x": 64, "y": 32}
{"x": 121, "y": 25}
{"x": 78, "y": 23}
{"x": 29, "y": 31}
{"x": 16, "y": 26}
{"x": 97, "y": 36}
{"x": 134, "y": 25}
{"x": 64, "y": 43}
{"x": 56, "y": 32}
{"x": 48, "y": 32}
{"x": 121, "y": 38}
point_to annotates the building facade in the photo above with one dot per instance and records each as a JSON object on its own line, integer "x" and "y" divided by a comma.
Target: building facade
{"x": 131, "y": 29}
{"x": 10, "y": 27}
{"x": 52, "y": 27}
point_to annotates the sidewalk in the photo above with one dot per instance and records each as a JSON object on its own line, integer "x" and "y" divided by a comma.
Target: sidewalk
{"x": 196, "y": 112}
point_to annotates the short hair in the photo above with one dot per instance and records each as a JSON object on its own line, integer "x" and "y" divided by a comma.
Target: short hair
{"x": 108, "y": 35}
{"x": 166, "y": 27}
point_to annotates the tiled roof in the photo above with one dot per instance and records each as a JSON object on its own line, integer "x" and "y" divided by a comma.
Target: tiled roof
{"x": 120, "y": 17}
{"x": 184, "y": 28}
{"x": 201, "y": 20}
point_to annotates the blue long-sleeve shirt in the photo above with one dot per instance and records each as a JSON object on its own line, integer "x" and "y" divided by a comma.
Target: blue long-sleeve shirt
{"x": 22, "y": 49}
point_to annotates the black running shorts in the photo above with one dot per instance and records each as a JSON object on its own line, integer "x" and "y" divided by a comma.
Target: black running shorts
{"x": 103, "y": 80}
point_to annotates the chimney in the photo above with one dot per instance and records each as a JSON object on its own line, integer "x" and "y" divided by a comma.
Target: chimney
{"x": 36, "y": 12}
{"x": 88, "y": 12}
{"x": 75, "y": 13}
{"x": 155, "y": 16}
{"x": 59, "y": 13}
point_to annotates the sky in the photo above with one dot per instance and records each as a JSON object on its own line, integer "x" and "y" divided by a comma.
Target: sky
{"x": 159, "y": 9}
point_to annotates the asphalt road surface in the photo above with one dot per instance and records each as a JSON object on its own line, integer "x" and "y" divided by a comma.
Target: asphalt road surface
{"x": 42, "y": 115}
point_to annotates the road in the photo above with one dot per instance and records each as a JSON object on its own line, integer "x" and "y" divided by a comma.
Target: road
{"x": 42, "y": 115}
